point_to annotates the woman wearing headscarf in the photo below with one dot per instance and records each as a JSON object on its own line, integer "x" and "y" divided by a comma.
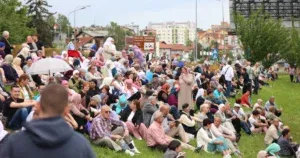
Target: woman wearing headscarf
{"x": 109, "y": 48}
{"x": 75, "y": 81}
{"x": 163, "y": 93}
{"x": 16, "y": 64}
{"x": 271, "y": 151}
{"x": 121, "y": 105}
{"x": 79, "y": 113}
{"x": 11, "y": 74}
{"x": 225, "y": 121}
{"x": 129, "y": 89}
{"x": 138, "y": 54}
{"x": 186, "y": 80}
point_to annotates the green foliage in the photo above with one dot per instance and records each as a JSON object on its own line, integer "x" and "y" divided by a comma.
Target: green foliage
{"x": 293, "y": 55}
{"x": 42, "y": 20}
{"x": 13, "y": 19}
{"x": 63, "y": 23}
{"x": 188, "y": 43}
{"x": 263, "y": 38}
{"x": 118, "y": 33}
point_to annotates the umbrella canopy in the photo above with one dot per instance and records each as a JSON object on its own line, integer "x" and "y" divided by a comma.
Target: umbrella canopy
{"x": 48, "y": 66}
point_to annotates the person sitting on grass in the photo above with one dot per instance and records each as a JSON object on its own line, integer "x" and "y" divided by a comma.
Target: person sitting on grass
{"x": 220, "y": 131}
{"x": 156, "y": 137}
{"x": 211, "y": 143}
{"x": 133, "y": 117}
{"x": 225, "y": 121}
{"x": 270, "y": 152}
{"x": 245, "y": 100}
{"x": 16, "y": 110}
{"x": 270, "y": 103}
{"x": 288, "y": 148}
{"x": 219, "y": 97}
{"x": 272, "y": 134}
{"x": 258, "y": 104}
{"x": 102, "y": 134}
{"x": 48, "y": 136}
{"x": 271, "y": 114}
{"x": 174, "y": 150}
{"x": 256, "y": 125}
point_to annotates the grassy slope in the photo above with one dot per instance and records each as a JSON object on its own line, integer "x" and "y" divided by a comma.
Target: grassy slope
{"x": 287, "y": 95}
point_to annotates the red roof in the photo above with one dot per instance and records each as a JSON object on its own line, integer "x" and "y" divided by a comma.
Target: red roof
{"x": 82, "y": 41}
{"x": 175, "y": 47}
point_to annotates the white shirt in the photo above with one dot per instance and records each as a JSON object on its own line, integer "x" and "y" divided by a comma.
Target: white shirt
{"x": 26, "y": 94}
{"x": 252, "y": 122}
{"x": 227, "y": 71}
{"x": 130, "y": 116}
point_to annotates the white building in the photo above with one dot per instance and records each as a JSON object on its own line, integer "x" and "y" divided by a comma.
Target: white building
{"x": 174, "y": 32}
{"x": 135, "y": 28}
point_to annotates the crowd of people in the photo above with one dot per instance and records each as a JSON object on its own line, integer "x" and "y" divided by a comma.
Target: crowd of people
{"x": 112, "y": 96}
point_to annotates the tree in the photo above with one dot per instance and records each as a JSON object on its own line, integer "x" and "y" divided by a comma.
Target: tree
{"x": 118, "y": 33}
{"x": 293, "y": 55}
{"x": 13, "y": 19}
{"x": 188, "y": 43}
{"x": 64, "y": 24}
{"x": 41, "y": 19}
{"x": 263, "y": 38}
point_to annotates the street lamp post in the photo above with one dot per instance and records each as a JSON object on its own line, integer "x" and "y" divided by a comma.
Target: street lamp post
{"x": 74, "y": 11}
{"x": 196, "y": 34}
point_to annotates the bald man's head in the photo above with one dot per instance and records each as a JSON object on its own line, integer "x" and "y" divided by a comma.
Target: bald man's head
{"x": 165, "y": 109}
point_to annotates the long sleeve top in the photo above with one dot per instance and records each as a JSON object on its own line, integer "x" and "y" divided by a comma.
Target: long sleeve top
{"x": 101, "y": 127}
{"x": 227, "y": 71}
{"x": 271, "y": 135}
{"x": 156, "y": 135}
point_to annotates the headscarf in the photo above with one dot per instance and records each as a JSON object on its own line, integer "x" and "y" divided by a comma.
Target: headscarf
{"x": 165, "y": 88}
{"x": 8, "y": 59}
{"x": 17, "y": 62}
{"x": 109, "y": 43}
{"x": 122, "y": 100}
{"x": 200, "y": 93}
{"x": 273, "y": 149}
{"x": 138, "y": 54}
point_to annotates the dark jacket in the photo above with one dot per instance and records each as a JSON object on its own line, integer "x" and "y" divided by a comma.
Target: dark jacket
{"x": 47, "y": 138}
{"x": 137, "y": 118}
{"x": 7, "y": 48}
{"x": 10, "y": 73}
{"x": 148, "y": 111}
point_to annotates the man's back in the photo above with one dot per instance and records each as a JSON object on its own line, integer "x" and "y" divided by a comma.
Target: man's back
{"x": 47, "y": 138}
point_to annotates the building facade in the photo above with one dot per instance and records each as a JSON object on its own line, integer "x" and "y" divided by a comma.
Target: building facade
{"x": 174, "y": 32}
{"x": 135, "y": 28}
{"x": 279, "y": 9}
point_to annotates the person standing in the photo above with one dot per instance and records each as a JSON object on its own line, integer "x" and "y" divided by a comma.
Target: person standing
{"x": 292, "y": 73}
{"x": 32, "y": 46}
{"x": 4, "y": 39}
{"x": 109, "y": 48}
{"x": 49, "y": 136}
{"x": 256, "y": 72}
{"x": 186, "y": 80}
{"x": 39, "y": 44}
{"x": 227, "y": 71}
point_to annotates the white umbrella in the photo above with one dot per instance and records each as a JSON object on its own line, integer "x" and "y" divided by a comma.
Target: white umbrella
{"x": 48, "y": 66}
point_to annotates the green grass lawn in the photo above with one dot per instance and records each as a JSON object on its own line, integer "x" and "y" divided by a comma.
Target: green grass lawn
{"x": 286, "y": 95}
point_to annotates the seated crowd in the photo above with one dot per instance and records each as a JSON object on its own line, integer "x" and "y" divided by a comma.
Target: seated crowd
{"x": 112, "y": 98}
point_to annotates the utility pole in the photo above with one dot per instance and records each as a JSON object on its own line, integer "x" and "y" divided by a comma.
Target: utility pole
{"x": 196, "y": 34}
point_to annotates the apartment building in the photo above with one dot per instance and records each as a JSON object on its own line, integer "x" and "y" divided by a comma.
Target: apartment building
{"x": 174, "y": 32}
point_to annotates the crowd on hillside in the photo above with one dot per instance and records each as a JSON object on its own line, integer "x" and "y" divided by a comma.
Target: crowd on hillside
{"x": 112, "y": 96}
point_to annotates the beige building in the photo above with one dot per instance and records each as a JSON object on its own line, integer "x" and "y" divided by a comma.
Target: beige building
{"x": 174, "y": 32}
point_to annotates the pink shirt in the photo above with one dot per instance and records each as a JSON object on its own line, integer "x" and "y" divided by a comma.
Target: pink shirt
{"x": 156, "y": 135}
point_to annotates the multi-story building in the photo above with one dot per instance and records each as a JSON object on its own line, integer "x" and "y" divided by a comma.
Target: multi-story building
{"x": 174, "y": 32}
{"x": 279, "y": 9}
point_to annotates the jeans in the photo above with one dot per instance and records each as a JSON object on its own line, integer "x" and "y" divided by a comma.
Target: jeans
{"x": 256, "y": 85}
{"x": 174, "y": 112}
{"x": 211, "y": 147}
{"x": 19, "y": 117}
{"x": 228, "y": 88}
{"x": 246, "y": 127}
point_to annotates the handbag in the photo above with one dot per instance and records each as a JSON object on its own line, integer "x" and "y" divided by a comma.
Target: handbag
{"x": 222, "y": 78}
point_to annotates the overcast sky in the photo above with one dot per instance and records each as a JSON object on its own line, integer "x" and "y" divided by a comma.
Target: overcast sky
{"x": 142, "y": 12}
